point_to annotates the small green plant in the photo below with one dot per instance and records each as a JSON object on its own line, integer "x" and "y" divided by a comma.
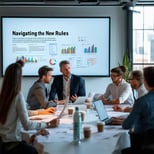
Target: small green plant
{"x": 126, "y": 62}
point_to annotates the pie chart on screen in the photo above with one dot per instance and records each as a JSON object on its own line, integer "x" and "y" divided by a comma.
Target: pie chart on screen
{"x": 52, "y": 61}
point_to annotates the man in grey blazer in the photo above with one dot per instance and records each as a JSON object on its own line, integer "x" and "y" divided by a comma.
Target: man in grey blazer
{"x": 37, "y": 97}
{"x": 67, "y": 84}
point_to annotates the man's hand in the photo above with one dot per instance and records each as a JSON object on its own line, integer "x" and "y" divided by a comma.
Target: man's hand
{"x": 74, "y": 98}
{"x": 105, "y": 101}
{"x": 50, "y": 110}
{"x": 42, "y": 132}
{"x": 117, "y": 108}
{"x": 122, "y": 109}
{"x": 117, "y": 121}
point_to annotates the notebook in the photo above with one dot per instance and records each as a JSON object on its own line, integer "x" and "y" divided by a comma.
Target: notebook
{"x": 59, "y": 116}
{"x": 102, "y": 113}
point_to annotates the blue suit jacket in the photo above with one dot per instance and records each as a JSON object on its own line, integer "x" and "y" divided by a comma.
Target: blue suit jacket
{"x": 77, "y": 86}
{"x": 141, "y": 117}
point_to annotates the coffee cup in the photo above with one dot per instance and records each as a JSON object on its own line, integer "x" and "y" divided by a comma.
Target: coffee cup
{"x": 100, "y": 126}
{"x": 87, "y": 132}
{"x": 70, "y": 111}
{"x": 88, "y": 105}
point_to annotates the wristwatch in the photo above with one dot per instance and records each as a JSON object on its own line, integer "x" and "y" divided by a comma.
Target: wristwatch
{"x": 48, "y": 124}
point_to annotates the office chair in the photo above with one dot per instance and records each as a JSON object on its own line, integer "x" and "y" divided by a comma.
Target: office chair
{"x": 141, "y": 143}
{"x": 1, "y": 147}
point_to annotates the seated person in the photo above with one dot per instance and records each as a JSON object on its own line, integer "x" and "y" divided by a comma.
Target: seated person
{"x": 136, "y": 82}
{"x": 119, "y": 91}
{"x": 50, "y": 110}
{"x": 67, "y": 84}
{"x": 141, "y": 117}
{"x": 37, "y": 96}
{"x": 14, "y": 116}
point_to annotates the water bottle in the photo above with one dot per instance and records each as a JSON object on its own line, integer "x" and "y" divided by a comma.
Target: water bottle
{"x": 77, "y": 126}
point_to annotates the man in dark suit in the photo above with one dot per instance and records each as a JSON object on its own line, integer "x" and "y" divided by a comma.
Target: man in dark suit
{"x": 67, "y": 84}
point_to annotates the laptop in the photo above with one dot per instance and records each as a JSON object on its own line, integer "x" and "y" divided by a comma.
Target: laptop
{"x": 80, "y": 100}
{"x": 65, "y": 105}
{"x": 102, "y": 113}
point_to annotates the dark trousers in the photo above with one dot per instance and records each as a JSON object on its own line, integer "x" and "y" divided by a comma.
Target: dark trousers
{"x": 18, "y": 147}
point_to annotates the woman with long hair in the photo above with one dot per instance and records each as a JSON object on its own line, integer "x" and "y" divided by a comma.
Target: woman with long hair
{"x": 14, "y": 114}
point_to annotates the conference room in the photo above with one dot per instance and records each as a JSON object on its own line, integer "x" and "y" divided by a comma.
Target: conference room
{"x": 117, "y": 29}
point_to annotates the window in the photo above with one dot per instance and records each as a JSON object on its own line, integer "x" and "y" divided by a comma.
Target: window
{"x": 143, "y": 37}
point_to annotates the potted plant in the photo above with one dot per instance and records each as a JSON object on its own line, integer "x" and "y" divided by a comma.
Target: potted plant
{"x": 126, "y": 62}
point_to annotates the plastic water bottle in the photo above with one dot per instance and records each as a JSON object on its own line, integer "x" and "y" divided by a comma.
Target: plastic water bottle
{"x": 77, "y": 126}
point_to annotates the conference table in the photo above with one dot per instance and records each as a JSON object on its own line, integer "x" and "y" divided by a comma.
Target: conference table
{"x": 60, "y": 140}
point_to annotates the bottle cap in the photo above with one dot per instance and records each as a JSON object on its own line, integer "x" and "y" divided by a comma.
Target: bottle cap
{"x": 77, "y": 108}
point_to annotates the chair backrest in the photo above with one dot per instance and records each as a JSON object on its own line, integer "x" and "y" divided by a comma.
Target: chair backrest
{"x": 1, "y": 146}
{"x": 149, "y": 137}
{"x": 136, "y": 141}
{"x": 139, "y": 141}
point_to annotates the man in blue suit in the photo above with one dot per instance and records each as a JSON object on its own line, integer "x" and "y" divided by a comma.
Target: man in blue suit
{"x": 67, "y": 84}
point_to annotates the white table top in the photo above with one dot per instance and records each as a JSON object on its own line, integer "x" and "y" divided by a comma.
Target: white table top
{"x": 60, "y": 139}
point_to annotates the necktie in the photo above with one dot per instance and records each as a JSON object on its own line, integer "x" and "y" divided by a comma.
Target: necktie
{"x": 134, "y": 95}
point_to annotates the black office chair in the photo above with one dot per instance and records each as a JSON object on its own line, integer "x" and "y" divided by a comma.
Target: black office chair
{"x": 141, "y": 143}
{"x": 148, "y": 145}
{"x": 1, "y": 147}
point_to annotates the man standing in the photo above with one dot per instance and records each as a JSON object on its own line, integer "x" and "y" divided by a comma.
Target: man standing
{"x": 67, "y": 84}
{"x": 37, "y": 97}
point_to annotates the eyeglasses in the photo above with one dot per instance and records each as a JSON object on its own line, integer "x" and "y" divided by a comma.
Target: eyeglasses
{"x": 112, "y": 75}
{"x": 130, "y": 79}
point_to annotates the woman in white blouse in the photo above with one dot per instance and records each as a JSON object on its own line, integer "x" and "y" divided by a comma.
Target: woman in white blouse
{"x": 14, "y": 114}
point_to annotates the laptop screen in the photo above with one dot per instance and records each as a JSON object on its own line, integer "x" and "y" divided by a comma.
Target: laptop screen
{"x": 65, "y": 105}
{"x": 100, "y": 108}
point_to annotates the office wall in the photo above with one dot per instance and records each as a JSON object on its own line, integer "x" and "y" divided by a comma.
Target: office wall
{"x": 117, "y": 36}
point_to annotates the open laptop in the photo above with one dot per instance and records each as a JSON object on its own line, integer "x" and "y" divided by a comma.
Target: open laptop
{"x": 80, "y": 100}
{"x": 64, "y": 107}
{"x": 102, "y": 113}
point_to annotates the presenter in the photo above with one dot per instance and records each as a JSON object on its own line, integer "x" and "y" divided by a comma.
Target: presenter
{"x": 67, "y": 84}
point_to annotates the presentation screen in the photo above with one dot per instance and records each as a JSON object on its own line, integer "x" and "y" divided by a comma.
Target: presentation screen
{"x": 38, "y": 41}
